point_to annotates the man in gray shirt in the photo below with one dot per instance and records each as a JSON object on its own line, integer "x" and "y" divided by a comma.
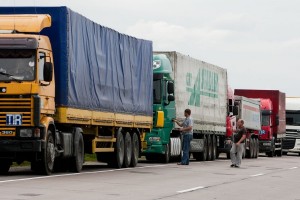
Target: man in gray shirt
{"x": 187, "y": 132}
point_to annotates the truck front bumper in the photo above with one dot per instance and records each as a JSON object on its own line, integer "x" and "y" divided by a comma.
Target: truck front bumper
{"x": 154, "y": 149}
{"x": 265, "y": 146}
{"x": 15, "y": 146}
{"x": 291, "y": 145}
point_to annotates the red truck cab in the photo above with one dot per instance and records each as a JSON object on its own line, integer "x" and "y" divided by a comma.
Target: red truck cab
{"x": 273, "y": 119}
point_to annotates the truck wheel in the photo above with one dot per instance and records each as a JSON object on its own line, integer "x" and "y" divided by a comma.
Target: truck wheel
{"x": 248, "y": 151}
{"x": 135, "y": 150}
{"x": 4, "y": 166}
{"x": 45, "y": 166}
{"x": 256, "y": 147}
{"x": 214, "y": 142}
{"x": 209, "y": 144}
{"x": 77, "y": 161}
{"x": 272, "y": 152}
{"x": 127, "y": 150}
{"x": 118, "y": 155}
{"x": 251, "y": 148}
{"x": 166, "y": 156}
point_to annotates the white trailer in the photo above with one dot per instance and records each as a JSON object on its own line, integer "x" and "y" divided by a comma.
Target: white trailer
{"x": 249, "y": 110}
{"x": 201, "y": 87}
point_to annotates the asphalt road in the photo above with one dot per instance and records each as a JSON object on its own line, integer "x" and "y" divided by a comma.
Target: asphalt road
{"x": 263, "y": 178}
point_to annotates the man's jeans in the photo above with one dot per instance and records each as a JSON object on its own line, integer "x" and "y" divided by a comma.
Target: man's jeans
{"x": 236, "y": 154}
{"x": 185, "y": 160}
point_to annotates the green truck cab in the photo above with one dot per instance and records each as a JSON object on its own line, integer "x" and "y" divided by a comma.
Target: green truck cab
{"x": 158, "y": 140}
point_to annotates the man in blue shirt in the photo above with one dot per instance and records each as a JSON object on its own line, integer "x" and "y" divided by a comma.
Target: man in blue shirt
{"x": 187, "y": 132}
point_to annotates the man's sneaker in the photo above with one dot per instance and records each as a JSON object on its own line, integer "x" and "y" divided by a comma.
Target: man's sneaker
{"x": 236, "y": 166}
{"x": 233, "y": 165}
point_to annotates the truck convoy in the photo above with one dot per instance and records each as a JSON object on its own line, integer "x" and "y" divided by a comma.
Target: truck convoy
{"x": 291, "y": 143}
{"x": 272, "y": 103}
{"x": 200, "y": 86}
{"x": 69, "y": 86}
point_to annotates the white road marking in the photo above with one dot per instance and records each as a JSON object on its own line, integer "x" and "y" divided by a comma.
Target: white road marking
{"x": 78, "y": 174}
{"x": 255, "y": 175}
{"x": 293, "y": 168}
{"x": 191, "y": 189}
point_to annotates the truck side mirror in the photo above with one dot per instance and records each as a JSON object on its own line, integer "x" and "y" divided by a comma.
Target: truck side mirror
{"x": 170, "y": 88}
{"x": 48, "y": 71}
{"x": 235, "y": 110}
{"x": 171, "y": 98}
{"x": 277, "y": 120}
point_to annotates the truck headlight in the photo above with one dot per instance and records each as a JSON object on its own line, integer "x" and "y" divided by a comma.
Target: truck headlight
{"x": 26, "y": 132}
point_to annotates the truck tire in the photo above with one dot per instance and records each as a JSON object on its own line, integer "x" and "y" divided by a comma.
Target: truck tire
{"x": 76, "y": 162}
{"x": 4, "y": 166}
{"x": 256, "y": 147}
{"x": 272, "y": 152}
{"x": 210, "y": 149}
{"x": 279, "y": 152}
{"x": 118, "y": 155}
{"x": 166, "y": 156}
{"x": 214, "y": 142}
{"x": 285, "y": 153}
{"x": 45, "y": 166}
{"x": 252, "y": 147}
{"x": 135, "y": 150}
{"x": 247, "y": 151}
{"x": 127, "y": 150}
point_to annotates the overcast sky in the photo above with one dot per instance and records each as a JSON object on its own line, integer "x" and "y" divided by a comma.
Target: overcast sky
{"x": 258, "y": 41}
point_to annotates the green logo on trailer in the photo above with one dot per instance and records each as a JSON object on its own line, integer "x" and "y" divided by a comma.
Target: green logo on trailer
{"x": 206, "y": 84}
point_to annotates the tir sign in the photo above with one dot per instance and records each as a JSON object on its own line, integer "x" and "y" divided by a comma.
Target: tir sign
{"x": 13, "y": 120}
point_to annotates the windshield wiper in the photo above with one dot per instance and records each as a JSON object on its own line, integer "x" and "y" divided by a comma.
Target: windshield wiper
{"x": 11, "y": 77}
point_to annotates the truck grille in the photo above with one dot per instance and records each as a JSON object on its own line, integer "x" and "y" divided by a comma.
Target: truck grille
{"x": 293, "y": 134}
{"x": 288, "y": 143}
{"x": 15, "y": 104}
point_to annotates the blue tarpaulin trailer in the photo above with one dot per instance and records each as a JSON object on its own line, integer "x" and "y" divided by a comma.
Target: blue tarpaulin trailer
{"x": 96, "y": 68}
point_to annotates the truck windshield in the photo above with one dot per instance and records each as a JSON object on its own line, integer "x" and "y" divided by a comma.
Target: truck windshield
{"x": 292, "y": 118}
{"x": 265, "y": 120}
{"x": 17, "y": 64}
{"x": 157, "y": 91}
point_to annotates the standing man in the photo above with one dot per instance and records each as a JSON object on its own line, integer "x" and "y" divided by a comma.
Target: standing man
{"x": 187, "y": 132}
{"x": 236, "y": 152}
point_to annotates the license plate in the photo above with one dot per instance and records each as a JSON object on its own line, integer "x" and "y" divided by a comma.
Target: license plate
{"x": 7, "y": 133}
{"x": 266, "y": 144}
{"x": 13, "y": 119}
